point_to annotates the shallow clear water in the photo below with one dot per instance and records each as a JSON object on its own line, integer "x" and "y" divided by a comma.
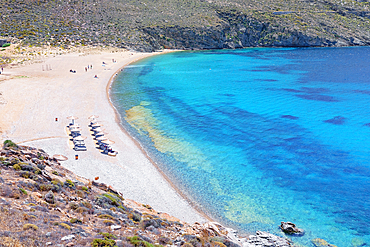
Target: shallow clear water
{"x": 260, "y": 136}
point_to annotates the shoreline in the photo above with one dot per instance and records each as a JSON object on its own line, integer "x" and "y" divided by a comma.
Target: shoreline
{"x": 138, "y": 145}
{"x": 34, "y": 98}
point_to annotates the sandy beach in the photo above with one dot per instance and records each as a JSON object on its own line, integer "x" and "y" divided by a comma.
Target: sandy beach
{"x": 36, "y": 100}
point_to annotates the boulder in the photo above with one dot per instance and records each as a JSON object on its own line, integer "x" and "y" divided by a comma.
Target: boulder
{"x": 49, "y": 197}
{"x": 291, "y": 229}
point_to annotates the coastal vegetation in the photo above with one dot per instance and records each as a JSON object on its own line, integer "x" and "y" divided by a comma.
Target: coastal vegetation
{"x": 146, "y": 25}
{"x": 51, "y": 206}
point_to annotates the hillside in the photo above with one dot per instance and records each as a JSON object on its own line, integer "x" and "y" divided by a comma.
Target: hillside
{"x": 147, "y": 25}
{"x": 42, "y": 204}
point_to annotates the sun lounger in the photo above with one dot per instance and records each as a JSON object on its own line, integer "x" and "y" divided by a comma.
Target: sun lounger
{"x": 80, "y": 148}
{"x": 74, "y": 134}
{"x": 79, "y": 145}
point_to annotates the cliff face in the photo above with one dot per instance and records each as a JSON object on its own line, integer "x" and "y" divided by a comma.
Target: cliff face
{"x": 239, "y": 31}
{"x": 146, "y": 25}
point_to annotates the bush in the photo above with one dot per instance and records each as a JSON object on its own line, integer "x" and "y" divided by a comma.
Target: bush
{"x": 17, "y": 167}
{"x": 103, "y": 243}
{"x": 75, "y": 221}
{"x": 106, "y": 216}
{"x": 6, "y": 45}
{"x": 9, "y": 143}
{"x": 108, "y": 241}
{"x": 135, "y": 240}
{"x": 30, "y": 226}
{"x": 23, "y": 191}
{"x": 69, "y": 183}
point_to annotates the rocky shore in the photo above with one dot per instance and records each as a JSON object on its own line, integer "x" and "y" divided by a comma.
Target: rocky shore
{"x": 44, "y": 204}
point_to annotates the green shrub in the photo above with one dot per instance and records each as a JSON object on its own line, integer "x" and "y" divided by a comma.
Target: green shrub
{"x": 56, "y": 181}
{"x": 106, "y": 216}
{"x": 108, "y": 240}
{"x": 45, "y": 187}
{"x": 108, "y": 235}
{"x": 9, "y": 143}
{"x": 30, "y": 226}
{"x": 17, "y": 167}
{"x": 103, "y": 243}
{"x": 6, "y": 45}
{"x": 69, "y": 183}
{"x": 23, "y": 191}
{"x": 137, "y": 242}
{"x": 75, "y": 221}
{"x": 64, "y": 225}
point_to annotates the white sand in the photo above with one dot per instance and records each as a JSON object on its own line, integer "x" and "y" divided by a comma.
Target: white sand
{"x": 29, "y": 106}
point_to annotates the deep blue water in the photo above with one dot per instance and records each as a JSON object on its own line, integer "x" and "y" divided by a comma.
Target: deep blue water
{"x": 259, "y": 136}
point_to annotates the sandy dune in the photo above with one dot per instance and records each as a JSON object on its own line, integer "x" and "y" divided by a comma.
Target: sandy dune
{"x": 35, "y": 96}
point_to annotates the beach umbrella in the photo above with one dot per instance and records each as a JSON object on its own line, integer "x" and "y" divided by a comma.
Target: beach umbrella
{"x": 101, "y": 138}
{"x": 73, "y": 118}
{"x": 107, "y": 141}
{"x": 93, "y": 117}
{"x": 80, "y": 138}
{"x": 60, "y": 157}
{"x": 93, "y": 121}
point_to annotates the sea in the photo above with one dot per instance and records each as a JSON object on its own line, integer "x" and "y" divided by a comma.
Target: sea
{"x": 258, "y": 136}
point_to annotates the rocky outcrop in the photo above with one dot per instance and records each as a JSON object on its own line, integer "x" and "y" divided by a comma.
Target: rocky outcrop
{"x": 236, "y": 31}
{"x": 291, "y": 229}
{"x": 60, "y": 208}
{"x": 262, "y": 239}
{"x": 256, "y": 34}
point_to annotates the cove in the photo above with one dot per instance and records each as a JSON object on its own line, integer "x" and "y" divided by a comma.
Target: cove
{"x": 259, "y": 136}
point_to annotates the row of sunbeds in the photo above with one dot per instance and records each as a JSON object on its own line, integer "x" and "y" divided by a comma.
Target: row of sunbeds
{"x": 77, "y": 139}
{"x": 101, "y": 141}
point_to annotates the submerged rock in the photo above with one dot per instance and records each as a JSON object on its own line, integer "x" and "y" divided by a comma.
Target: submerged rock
{"x": 266, "y": 239}
{"x": 291, "y": 229}
{"x": 318, "y": 242}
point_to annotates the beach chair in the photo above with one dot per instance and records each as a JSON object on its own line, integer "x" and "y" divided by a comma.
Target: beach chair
{"x": 80, "y": 148}
{"x": 79, "y": 145}
{"x": 75, "y": 133}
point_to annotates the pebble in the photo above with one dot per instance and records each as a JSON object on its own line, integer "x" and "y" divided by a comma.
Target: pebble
{"x": 68, "y": 237}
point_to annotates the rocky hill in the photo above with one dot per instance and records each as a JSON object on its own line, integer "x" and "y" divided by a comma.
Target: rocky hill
{"x": 44, "y": 204}
{"x": 148, "y": 25}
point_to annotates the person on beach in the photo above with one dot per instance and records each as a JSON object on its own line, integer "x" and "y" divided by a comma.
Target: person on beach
{"x": 95, "y": 76}
{"x": 85, "y": 69}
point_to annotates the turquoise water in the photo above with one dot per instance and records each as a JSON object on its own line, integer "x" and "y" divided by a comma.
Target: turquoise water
{"x": 259, "y": 136}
